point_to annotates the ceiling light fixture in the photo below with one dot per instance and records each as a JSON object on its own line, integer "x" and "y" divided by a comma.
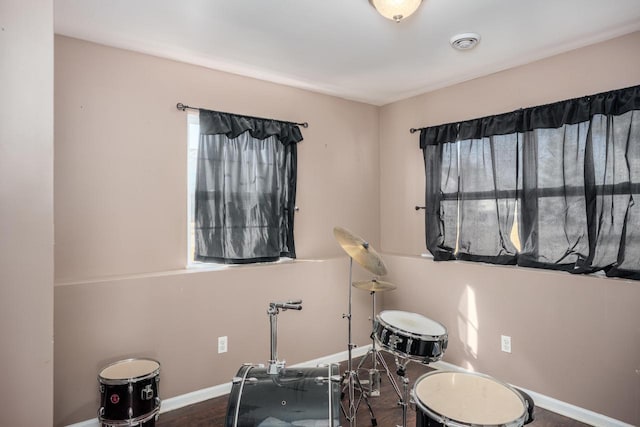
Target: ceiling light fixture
{"x": 396, "y": 10}
{"x": 465, "y": 41}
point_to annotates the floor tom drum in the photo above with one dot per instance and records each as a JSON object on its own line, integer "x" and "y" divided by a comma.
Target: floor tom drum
{"x": 129, "y": 393}
{"x": 464, "y": 399}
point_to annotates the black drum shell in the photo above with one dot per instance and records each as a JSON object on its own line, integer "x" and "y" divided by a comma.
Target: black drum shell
{"x": 149, "y": 423}
{"x": 530, "y": 406}
{"x": 424, "y": 348}
{"x": 119, "y": 410}
{"x": 293, "y": 395}
{"x": 423, "y": 420}
{"x": 140, "y": 394}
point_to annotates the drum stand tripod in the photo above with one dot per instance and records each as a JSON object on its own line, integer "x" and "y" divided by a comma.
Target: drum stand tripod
{"x": 376, "y": 356}
{"x": 351, "y": 376}
{"x": 401, "y": 370}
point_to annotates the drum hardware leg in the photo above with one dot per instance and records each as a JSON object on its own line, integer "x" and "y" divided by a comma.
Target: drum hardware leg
{"x": 401, "y": 366}
{"x": 392, "y": 380}
{"x": 353, "y": 384}
{"x": 380, "y": 359}
{"x": 351, "y": 376}
{"x": 374, "y": 383}
{"x": 404, "y": 402}
{"x": 374, "y": 373}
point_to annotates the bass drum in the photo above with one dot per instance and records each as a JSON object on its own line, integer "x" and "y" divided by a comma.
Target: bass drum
{"x": 293, "y": 397}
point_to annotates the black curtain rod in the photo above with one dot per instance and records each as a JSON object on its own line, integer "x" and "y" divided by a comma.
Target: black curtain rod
{"x": 588, "y": 97}
{"x": 181, "y": 106}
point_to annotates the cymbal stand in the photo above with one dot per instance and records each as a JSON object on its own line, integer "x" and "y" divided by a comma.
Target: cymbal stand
{"x": 376, "y": 356}
{"x": 351, "y": 377}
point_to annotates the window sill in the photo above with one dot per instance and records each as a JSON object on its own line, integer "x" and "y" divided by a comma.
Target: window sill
{"x": 192, "y": 268}
{"x": 211, "y": 266}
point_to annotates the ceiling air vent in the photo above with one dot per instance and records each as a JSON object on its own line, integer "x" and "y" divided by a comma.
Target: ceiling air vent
{"x": 464, "y": 41}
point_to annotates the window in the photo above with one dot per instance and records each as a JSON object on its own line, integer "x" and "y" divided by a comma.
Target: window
{"x": 193, "y": 137}
{"x": 242, "y": 183}
{"x": 550, "y": 187}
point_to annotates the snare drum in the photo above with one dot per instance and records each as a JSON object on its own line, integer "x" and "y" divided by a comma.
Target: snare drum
{"x": 410, "y": 335}
{"x": 129, "y": 393}
{"x": 295, "y": 396}
{"x": 463, "y": 399}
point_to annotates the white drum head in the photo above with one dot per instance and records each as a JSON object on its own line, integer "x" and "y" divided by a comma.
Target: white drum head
{"x": 129, "y": 369}
{"x": 412, "y": 322}
{"x": 469, "y": 398}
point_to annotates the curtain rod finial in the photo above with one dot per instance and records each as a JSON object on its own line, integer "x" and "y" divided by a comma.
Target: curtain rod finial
{"x": 413, "y": 130}
{"x": 181, "y": 106}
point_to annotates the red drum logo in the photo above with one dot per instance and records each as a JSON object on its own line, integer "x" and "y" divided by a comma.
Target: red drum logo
{"x": 115, "y": 399}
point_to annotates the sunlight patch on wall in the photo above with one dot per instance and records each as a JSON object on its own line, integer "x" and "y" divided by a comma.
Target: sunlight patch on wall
{"x": 468, "y": 324}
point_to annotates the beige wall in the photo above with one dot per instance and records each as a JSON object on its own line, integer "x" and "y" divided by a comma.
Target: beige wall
{"x": 26, "y": 212}
{"x": 598, "y": 68}
{"x": 176, "y": 319}
{"x": 120, "y": 171}
{"x": 120, "y": 186}
{"x": 120, "y": 214}
{"x": 575, "y": 338}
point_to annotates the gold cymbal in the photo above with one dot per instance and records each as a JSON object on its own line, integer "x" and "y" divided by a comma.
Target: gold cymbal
{"x": 360, "y": 250}
{"x": 374, "y": 285}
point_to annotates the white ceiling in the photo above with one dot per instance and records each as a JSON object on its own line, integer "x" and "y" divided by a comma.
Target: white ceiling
{"x": 343, "y": 47}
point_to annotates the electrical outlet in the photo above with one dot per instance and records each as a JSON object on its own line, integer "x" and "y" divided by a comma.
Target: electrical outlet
{"x": 222, "y": 345}
{"x": 505, "y": 343}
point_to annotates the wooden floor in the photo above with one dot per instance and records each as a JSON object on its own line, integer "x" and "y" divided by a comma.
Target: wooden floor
{"x": 385, "y": 407}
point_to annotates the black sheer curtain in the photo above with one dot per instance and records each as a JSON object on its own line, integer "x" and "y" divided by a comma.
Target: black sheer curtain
{"x": 552, "y": 186}
{"x": 245, "y": 189}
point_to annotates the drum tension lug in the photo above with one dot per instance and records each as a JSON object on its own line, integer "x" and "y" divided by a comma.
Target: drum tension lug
{"x": 146, "y": 393}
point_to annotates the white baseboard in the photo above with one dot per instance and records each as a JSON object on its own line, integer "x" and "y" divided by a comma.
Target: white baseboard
{"x": 198, "y": 396}
{"x": 554, "y": 405}
{"x": 542, "y": 401}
